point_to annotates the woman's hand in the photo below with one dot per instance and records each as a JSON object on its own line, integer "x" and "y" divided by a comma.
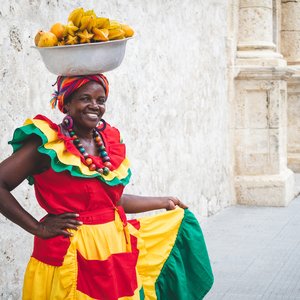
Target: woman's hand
{"x": 172, "y": 202}
{"x": 54, "y": 225}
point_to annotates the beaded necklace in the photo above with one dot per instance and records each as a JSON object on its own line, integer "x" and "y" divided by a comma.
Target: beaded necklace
{"x": 88, "y": 158}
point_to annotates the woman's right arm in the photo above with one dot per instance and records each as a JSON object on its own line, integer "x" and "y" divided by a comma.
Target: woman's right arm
{"x": 15, "y": 169}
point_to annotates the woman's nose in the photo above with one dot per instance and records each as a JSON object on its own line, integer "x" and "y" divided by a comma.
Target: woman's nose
{"x": 94, "y": 103}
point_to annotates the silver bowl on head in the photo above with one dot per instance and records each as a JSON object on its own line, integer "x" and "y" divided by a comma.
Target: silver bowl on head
{"x": 84, "y": 59}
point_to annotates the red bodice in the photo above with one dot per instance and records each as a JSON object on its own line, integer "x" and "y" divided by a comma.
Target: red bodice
{"x": 60, "y": 192}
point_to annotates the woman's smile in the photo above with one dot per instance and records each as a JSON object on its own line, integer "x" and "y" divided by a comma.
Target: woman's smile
{"x": 92, "y": 115}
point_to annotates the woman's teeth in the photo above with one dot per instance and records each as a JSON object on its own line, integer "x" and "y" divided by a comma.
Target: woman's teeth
{"x": 92, "y": 115}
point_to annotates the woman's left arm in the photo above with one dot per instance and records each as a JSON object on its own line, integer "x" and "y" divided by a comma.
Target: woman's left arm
{"x": 136, "y": 204}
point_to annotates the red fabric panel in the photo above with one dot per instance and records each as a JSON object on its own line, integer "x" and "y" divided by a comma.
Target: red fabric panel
{"x": 51, "y": 251}
{"x": 60, "y": 192}
{"x": 99, "y": 216}
{"x": 135, "y": 223}
{"x": 108, "y": 279}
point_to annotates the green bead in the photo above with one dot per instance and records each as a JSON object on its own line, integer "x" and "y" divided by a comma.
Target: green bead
{"x": 81, "y": 149}
{"x": 103, "y": 153}
{"x": 105, "y": 171}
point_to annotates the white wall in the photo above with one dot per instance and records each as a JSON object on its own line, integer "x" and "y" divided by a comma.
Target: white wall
{"x": 168, "y": 98}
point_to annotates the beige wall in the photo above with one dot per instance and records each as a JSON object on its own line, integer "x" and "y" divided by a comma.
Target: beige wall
{"x": 169, "y": 98}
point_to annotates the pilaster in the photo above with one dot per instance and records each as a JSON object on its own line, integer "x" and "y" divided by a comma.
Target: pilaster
{"x": 290, "y": 48}
{"x": 261, "y": 74}
{"x": 256, "y": 34}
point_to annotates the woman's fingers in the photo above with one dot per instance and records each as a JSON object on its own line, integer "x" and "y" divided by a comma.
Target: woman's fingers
{"x": 68, "y": 215}
{"x": 182, "y": 205}
{"x": 54, "y": 225}
{"x": 173, "y": 201}
{"x": 71, "y": 221}
{"x": 65, "y": 233}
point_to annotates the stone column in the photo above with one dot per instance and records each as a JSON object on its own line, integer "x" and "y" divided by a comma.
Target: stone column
{"x": 256, "y": 33}
{"x": 262, "y": 176}
{"x": 290, "y": 48}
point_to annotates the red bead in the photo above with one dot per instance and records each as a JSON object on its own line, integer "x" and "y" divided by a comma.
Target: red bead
{"x": 97, "y": 139}
{"x": 105, "y": 158}
{"x": 92, "y": 167}
{"x": 88, "y": 161}
{"x": 75, "y": 137}
{"x": 99, "y": 144}
{"x": 107, "y": 164}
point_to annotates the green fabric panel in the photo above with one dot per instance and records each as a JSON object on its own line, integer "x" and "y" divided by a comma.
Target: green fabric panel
{"x": 22, "y": 133}
{"x": 142, "y": 294}
{"x": 19, "y": 137}
{"x": 187, "y": 274}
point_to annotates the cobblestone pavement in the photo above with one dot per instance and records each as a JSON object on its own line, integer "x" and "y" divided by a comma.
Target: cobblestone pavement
{"x": 255, "y": 252}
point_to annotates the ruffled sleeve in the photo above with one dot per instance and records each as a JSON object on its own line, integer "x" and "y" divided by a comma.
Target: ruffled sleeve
{"x": 64, "y": 156}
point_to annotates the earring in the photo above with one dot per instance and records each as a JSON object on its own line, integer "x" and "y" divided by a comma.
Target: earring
{"x": 102, "y": 124}
{"x": 67, "y": 122}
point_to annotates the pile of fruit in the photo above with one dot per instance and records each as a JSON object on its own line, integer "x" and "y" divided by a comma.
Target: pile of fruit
{"x": 82, "y": 27}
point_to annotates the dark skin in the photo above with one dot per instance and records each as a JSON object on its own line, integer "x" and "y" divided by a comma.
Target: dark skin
{"x": 86, "y": 106}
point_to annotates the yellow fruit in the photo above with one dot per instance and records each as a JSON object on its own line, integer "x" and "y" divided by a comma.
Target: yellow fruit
{"x": 61, "y": 43}
{"x": 100, "y": 35}
{"x": 102, "y": 23}
{"x": 85, "y": 37}
{"x": 37, "y": 37}
{"x": 114, "y": 24}
{"x": 76, "y": 15}
{"x": 47, "y": 39}
{"x": 90, "y": 13}
{"x": 71, "y": 28}
{"x": 71, "y": 40}
{"x": 87, "y": 22}
{"x": 59, "y": 30}
{"x": 116, "y": 34}
{"x": 83, "y": 27}
{"x": 128, "y": 30}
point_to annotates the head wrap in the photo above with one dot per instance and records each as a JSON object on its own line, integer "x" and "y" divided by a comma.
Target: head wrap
{"x": 67, "y": 85}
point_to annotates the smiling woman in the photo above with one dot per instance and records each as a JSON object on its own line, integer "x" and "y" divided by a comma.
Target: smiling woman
{"x": 84, "y": 248}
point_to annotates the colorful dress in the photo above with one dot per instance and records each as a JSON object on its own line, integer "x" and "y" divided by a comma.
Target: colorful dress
{"x": 108, "y": 258}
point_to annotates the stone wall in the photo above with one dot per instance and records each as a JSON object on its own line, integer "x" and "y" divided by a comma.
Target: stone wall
{"x": 169, "y": 98}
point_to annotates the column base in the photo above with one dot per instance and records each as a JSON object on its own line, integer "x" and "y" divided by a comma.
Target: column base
{"x": 265, "y": 190}
{"x": 260, "y": 58}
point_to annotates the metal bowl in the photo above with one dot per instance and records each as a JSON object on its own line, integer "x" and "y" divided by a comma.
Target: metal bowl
{"x": 84, "y": 59}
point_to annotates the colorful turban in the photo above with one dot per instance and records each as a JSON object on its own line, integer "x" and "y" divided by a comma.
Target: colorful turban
{"x": 67, "y": 85}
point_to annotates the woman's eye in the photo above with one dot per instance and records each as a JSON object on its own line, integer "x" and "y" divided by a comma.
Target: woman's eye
{"x": 101, "y": 101}
{"x": 85, "y": 99}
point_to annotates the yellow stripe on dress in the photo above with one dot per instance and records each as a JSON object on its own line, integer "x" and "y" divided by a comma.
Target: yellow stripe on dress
{"x": 152, "y": 235}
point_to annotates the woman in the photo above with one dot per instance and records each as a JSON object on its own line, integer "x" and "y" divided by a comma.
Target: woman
{"x": 84, "y": 248}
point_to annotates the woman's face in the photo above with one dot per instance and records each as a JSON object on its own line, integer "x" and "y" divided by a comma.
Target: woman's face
{"x": 87, "y": 105}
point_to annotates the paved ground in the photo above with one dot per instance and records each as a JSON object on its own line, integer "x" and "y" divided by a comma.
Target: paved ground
{"x": 255, "y": 252}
